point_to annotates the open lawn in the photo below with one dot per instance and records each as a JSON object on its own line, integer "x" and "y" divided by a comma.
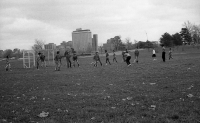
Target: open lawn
{"x": 147, "y": 92}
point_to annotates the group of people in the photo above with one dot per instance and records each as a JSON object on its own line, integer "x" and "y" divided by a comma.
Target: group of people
{"x": 68, "y": 56}
{"x": 163, "y": 54}
{"x": 40, "y": 60}
{"x": 125, "y": 56}
{"x": 96, "y": 59}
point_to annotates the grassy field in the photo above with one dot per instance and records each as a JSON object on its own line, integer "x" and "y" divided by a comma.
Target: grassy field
{"x": 147, "y": 92}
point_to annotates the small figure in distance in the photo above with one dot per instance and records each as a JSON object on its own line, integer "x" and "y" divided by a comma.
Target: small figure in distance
{"x": 75, "y": 59}
{"x": 38, "y": 60}
{"x": 8, "y": 66}
{"x": 163, "y": 54}
{"x": 114, "y": 56}
{"x": 170, "y": 54}
{"x": 136, "y": 55}
{"x": 107, "y": 57}
{"x": 57, "y": 61}
{"x": 128, "y": 58}
{"x": 68, "y": 56}
{"x": 42, "y": 58}
{"x": 154, "y": 54}
{"x": 96, "y": 59}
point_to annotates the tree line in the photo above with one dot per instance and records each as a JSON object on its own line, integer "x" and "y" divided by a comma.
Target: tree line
{"x": 17, "y": 53}
{"x": 189, "y": 34}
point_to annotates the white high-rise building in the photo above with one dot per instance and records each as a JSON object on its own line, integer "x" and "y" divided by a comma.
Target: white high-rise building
{"x": 82, "y": 41}
{"x": 95, "y": 42}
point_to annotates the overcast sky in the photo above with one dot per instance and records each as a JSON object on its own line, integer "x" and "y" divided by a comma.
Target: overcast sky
{"x": 23, "y": 21}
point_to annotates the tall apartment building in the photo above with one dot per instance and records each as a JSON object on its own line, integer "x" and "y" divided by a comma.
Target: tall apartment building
{"x": 95, "y": 43}
{"x": 82, "y": 41}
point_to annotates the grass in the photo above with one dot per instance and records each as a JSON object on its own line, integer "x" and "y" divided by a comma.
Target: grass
{"x": 147, "y": 92}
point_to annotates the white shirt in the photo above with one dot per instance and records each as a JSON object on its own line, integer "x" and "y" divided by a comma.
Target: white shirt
{"x": 154, "y": 52}
{"x": 127, "y": 54}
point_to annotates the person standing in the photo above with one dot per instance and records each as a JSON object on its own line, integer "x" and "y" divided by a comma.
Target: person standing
{"x": 38, "y": 60}
{"x": 170, "y": 53}
{"x": 107, "y": 57}
{"x": 42, "y": 58}
{"x": 136, "y": 55}
{"x": 163, "y": 54}
{"x": 75, "y": 59}
{"x": 96, "y": 59}
{"x": 154, "y": 54}
{"x": 68, "y": 56}
{"x": 57, "y": 61}
{"x": 114, "y": 56}
{"x": 8, "y": 66}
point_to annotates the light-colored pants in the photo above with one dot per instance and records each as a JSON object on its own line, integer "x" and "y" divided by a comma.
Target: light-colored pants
{"x": 58, "y": 64}
{"x": 8, "y": 67}
{"x": 136, "y": 58}
{"x": 43, "y": 63}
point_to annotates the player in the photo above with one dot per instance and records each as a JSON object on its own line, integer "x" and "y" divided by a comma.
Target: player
{"x": 170, "y": 53}
{"x": 154, "y": 54}
{"x": 57, "y": 61}
{"x": 107, "y": 57}
{"x": 38, "y": 60}
{"x": 96, "y": 59}
{"x": 75, "y": 59}
{"x": 8, "y": 66}
{"x": 114, "y": 56}
{"x": 42, "y": 58}
{"x": 128, "y": 58}
{"x": 136, "y": 55}
{"x": 163, "y": 54}
{"x": 68, "y": 56}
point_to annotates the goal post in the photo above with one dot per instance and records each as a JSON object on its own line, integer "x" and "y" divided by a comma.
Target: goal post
{"x": 49, "y": 56}
{"x": 28, "y": 58}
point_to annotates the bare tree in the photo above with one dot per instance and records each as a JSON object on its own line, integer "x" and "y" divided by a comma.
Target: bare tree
{"x": 128, "y": 43}
{"x": 196, "y": 33}
{"x": 189, "y": 26}
{"x": 39, "y": 45}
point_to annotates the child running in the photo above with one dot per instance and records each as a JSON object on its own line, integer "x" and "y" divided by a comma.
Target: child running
{"x": 170, "y": 53}
{"x": 107, "y": 57}
{"x": 136, "y": 55}
{"x": 154, "y": 54}
{"x": 75, "y": 59}
{"x": 96, "y": 59}
{"x": 38, "y": 60}
{"x": 114, "y": 56}
{"x": 8, "y": 66}
{"x": 128, "y": 58}
{"x": 57, "y": 61}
